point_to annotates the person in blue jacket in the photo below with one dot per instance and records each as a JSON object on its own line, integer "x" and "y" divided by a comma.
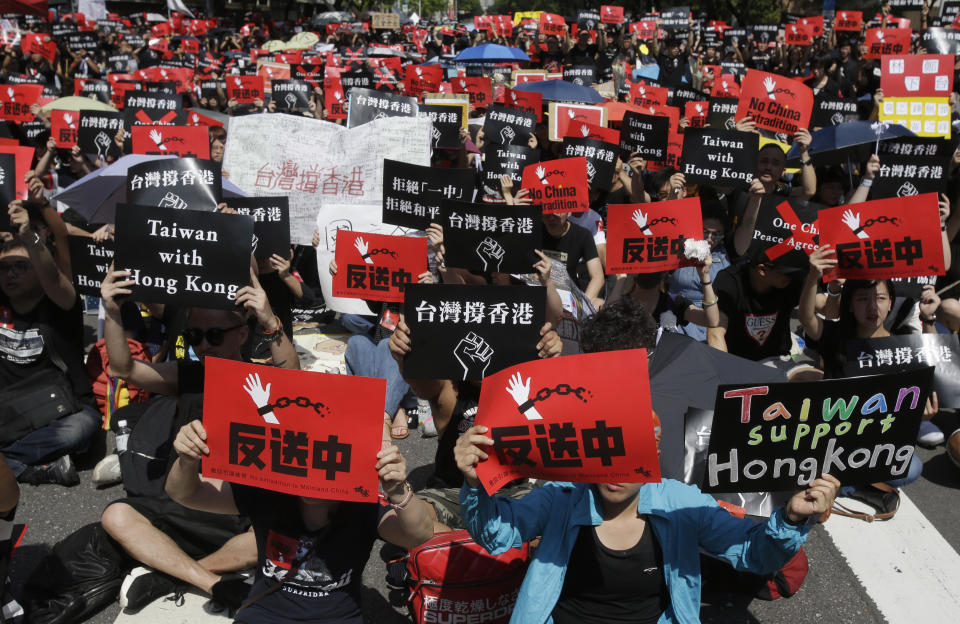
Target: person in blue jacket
{"x": 624, "y": 552}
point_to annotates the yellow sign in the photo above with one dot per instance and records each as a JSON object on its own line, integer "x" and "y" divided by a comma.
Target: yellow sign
{"x": 924, "y": 116}
{"x": 522, "y": 15}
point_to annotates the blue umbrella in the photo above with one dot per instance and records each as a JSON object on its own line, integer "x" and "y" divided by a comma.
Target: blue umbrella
{"x": 96, "y": 195}
{"x": 562, "y": 91}
{"x": 491, "y": 53}
{"x": 851, "y": 141}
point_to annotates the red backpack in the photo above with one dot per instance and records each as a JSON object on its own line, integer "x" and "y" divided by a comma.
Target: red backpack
{"x": 107, "y": 389}
{"x": 454, "y": 579}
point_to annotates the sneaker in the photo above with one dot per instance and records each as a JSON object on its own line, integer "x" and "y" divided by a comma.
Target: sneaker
{"x": 61, "y": 472}
{"x": 143, "y": 585}
{"x": 107, "y": 471}
{"x": 427, "y": 427}
{"x": 231, "y": 590}
{"x": 929, "y": 435}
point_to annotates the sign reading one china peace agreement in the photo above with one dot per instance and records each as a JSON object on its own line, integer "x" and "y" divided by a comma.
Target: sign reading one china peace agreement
{"x": 181, "y": 183}
{"x": 298, "y": 432}
{"x": 558, "y": 185}
{"x": 89, "y": 262}
{"x": 277, "y": 155}
{"x": 184, "y": 257}
{"x": 376, "y": 266}
{"x": 720, "y": 156}
{"x": 469, "y": 332}
{"x": 646, "y": 238}
{"x": 783, "y": 436}
{"x": 775, "y": 102}
{"x": 558, "y": 419}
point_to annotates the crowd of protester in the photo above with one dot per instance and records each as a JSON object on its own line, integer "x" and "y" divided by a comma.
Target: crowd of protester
{"x": 595, "y": 560}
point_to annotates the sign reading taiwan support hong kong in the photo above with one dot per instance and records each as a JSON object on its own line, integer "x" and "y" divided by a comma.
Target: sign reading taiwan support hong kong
{"x": 883, "y": 41}
{"x": 377, "y": 267}
{"x": 466, "y": 332}
{"x": 940, "y": 40}
{"x": 898, "y": 237}
{"x": 184, "y": 257}
{"x": 298, "y": 432}
{"x": 783, "y": 436}
{"x": 412, "y": 193}
{"x": 833, "y": 112}
{"x": 557, "y": 419}
{"x": 149, "y": 108}
{"x": 178, "y": 183}
{"x": 271, "y": 223}
{"x": 290, "y": 96}
{"x": 89, "y": 262}
{"x": 645, "y": 134}
{"x": 894, "y": 354}
{"x": 722, "y": 113}
{"x": 720, "y": 156}
{"x": 774, "y": 102}
{"x": 646, "y": 238}
{"x": 368, "y": 104}
{"x": 491, "y": 238}
{"x": 601, "y": 159}
{"x": 171, "y": 140}
{"x": 558, "y": 185}
{"x": 912, "y": 166}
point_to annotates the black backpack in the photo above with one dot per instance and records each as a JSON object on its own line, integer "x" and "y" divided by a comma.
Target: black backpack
{"x": 150, "y": 447}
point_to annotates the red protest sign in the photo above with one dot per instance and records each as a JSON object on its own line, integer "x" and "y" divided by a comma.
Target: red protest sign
{"x": 479, "y": 88}
{"x": 63, "y": 127}
{"x": 917, "y": 75}
{"x": 39, "y": 43}
{"x": 882, "y": 41}
{"x": 848, "y": 21}
{"x": 611, "y": 14}
{"x": 199, "y": 119}
{"x": 674, "y": 153}
{"x": 562, "y": 115}
{"x": 245, "y": 89}
{"x": 582, "y": 434}
{"x": 526, "y": 101}
{"x": 696, "y": 113}
{"x": 646, "y": 238}
{"x": 814, "y": 23}
{"x": 22, "y": 158}
{"x": 422, "y": 79}
{"x": 273, "y": 71}
{"x": 884, "y": 238}
{"x": 552, "y": 24}
{"x": 333, "y": 99}
{"x": 318, "y": 435}
{"x": 15, "y": 101}
{"x": 558, "y": 185}
{"x": 585, "y": 130}
{"x": 644, "y": 29}
{"x": 171, "y": 140}
{"x": 775, "y": 103}
{"x": 725, "y": 87}
{"x": 798, "y": 34}
{"x": 646, "y": 95}
{"x": 377, "y": 266}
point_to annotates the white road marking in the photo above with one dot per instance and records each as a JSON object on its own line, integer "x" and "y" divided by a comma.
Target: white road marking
{"x": 194, "y": 610}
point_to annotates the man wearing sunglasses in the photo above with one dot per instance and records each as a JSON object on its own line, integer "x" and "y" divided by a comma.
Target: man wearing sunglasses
{"x": 42, "y": 375}
{"x": 148, "y": 528}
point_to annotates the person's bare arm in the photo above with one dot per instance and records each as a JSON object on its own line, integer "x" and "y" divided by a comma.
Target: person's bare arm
{"x": 184, "y": 483}
{"x": 820, "y": 260}
{"x": 254, "y": 300}
{"x": 744, "y": 233}
{"x": 409, "y": 522}
{"x": 56, "y": 286}
{"x": 869, "y": 172}
{"x": 717, "y": 336}
{"x": 9, "y": 490}
{"x": 808, "y": 173}
{"x": 595, "y": 269}
{"x": 709, "y": 315}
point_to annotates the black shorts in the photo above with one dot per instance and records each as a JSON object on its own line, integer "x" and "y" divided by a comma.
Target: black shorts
{"x": 197, "y": 533}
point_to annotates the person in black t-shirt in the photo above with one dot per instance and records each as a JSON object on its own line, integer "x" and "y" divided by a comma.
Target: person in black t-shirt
{"x": 574, "y": 244}
{"x": 311, "y": 552}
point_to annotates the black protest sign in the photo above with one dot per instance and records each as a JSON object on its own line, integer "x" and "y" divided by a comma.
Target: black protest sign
{"x": 491, "y": 238}
{"x": 833, "y": 112}
{"x": 62, "y": 29}
{"x": 179, "y": 183}
{"x": 508, "y": 160}
{"x": 120, "y": 63}
{"x": 469, "y": 332}
{"x": 647, "y": 135}
{"x": 83, "y": 41}
{"x": 722, "y": 112}
{"x": 727, "y": 157}
{"x": 911, "y": 287}
{"x": 412, "y": 193}
{"x": 949, "y": 9}
{"x": 360, "y": 78}
{"x": 212, "y": 89}
{"x": 940, "y": 40}
{"x": 184, "y": 257}
{"x": 588, "y": 19}
{"x": 895, "y": 354}
{"x": 290, "y": 95}
{"x": 97, "y": 132}
{"x": 32, "y": 131}
{"x": 765, "y": 33}
{"x": 912, "y": 166}
{"x": 148, "y": 108}
{"x": 8, "y": 184}
{"x": 166, "y": 87}
{"x": 736, "y": 68}
{"x": 679, "y": 96}
{"x": 313, "y": 74}
{"x": 271, "y": 223}
{"x": 98, "y": 89}
{"x": 585, "y": 75}
{"x": 367, "y": 105}
{"x": 89, "y": 262}
{"x": 675, "y": 19}
{"x": 508, "y": 126}
{"x": 601, "y": 158}
{"x": 783, "y": 436}
{"x": 447, "y": 122}
{"x": 732, "y": 36}
{"x": 786, "y": 232}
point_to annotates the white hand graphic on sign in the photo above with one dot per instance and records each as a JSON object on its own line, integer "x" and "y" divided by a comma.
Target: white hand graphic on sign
{"x": 853, "y": 222}
{"x": 361, "y": 246}
{"x": 520, "y": 393}
{"x": 260, "y": 396}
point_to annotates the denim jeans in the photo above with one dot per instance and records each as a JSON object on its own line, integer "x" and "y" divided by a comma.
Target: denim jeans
{"x": 365, "y": 358}
{"x": 69, "y": 434}
{"x": 913, "y": 473}
{"x": 358, "y": 324}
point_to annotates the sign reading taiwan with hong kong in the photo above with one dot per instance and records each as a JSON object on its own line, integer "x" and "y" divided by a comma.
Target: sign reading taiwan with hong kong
{"x": 782, "y": 436}
{"x": 297, "y": 432}
{"x": 563, "y": 419}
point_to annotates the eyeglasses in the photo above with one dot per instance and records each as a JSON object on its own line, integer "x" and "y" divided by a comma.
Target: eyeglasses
{"x": 18, "y": 267}
{"x": 194, "y": 335}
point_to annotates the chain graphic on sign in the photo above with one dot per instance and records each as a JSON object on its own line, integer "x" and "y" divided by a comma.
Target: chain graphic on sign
{"x": 852, "y": 220}
{"x": 261, "y": 398}
{"x": 520, "y": 392}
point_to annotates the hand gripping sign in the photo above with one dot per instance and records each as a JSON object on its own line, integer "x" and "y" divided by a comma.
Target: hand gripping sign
{"x": 297, "y": 432}
{"x": 564, "y": 419}
{"x": 646, "y": 238}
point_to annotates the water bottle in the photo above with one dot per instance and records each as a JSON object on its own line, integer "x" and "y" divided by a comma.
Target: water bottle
{"x": 123, "y": 436}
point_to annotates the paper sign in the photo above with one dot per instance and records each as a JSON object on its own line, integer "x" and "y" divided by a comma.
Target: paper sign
{"x": 644, "y": 134}
{"x": 558, "y": 185}
{"x": 447, "y": 120}
{"x": 422, "y": 79}
{"x": 97, "y": 132}
{"x": 319, "y": 440}
{"x": 479, "y": 89}
{"x": 468, "y": 332}
{"x": 377, "y": 267}
{"x": 150, "y": 108}
{"x": 696, "y": 113}
{"x": 412, "y": 193}
{"x": 722, "y": 113}
{"x": 8, "y": 188}
{"x": 89, "y": 262}
{"x": 180, "y": 183}
{"x": 15, "y": 101}
{"x": 848, "y": 21}
{"x": 909, "y": 352}
{"x": 583, "y": 75}
{"x": 271, "y": 223}
{"x": 552, "y": 24}
{"x": 897, "y": 237}
{"x": 171, "y": 140}
{"x": 508, "y": 126}
{"x": 23, "y": 157}
{"x": 786, "y": 231}
{"x": 833, "y": 112}
{"x": 798, "y": 34}
{"x": 726, "y": 157}
{"x": 911, "y": 166}
{"x": 491, "y": 238}
{"x": 561, "y": 115}
{"x": 502, "y": 160}
{"x": 601, "y": 159}
{"x": 916, "y": 75}
{"x": 368, "y": 104}
{"x": 646, "y": 238}
{"x": 882, "y": 41}
{"x": 775, "y": 103}
{"x": 244, "y": 89}
{"x": 64, "y": 126}
{"x": 783, "y": 436}
{"x": 558, "y": 419}
{"x": 290, "y": 96}
{"x": 940, "y": 40}
{"x": 924, "y": 116}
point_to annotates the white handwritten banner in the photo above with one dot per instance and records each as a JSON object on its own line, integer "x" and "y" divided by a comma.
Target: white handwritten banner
{"x": 318, "y": 163}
